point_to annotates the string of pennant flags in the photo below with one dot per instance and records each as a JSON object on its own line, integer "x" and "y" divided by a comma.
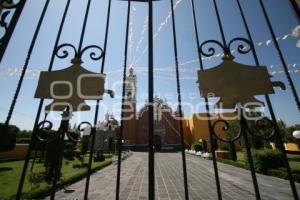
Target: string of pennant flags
{"x": 16, "y": 71}
{"x": 34, "y": 73}
{"x": 142, "y": 36}
{"x": 131, "y": 31}
{"x": 274, "y": 69}
{"x": 259, "y": 44}
{"x": 155, "y": 35}
{"x": 135, "y": 60}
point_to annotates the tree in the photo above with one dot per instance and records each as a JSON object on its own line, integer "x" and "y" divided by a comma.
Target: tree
{"x": 232, "y": 132}
{"x": 84, "y": 146}
{"x": 8, "y": 137}
{"x": 286, "y": 132}
{"x": 53, "y": 159}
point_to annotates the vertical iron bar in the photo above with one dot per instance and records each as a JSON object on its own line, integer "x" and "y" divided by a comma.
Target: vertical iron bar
{"x": 63, "y": 129}
{"x": 83, "y": 30}
{"x": 18, "y": 196}
{"x": 33, "y": 161}
{"x": 84, "y": 26}
{"x": 35, "y": 152}
{"x": 244, "y": 128}
{"x": 20, "y": 82}
{"x": 11, "y": 27}
{"x": 33, "y": 136}
{"x": 87, "y": 183}
{"x": 93, "y": 133}
{"x": 286, "y": 162}
{"x": 106, "y": 35}
{"x": 296, "y": 9}
{"x": 151, "y": 171}
{"x": 280, "y": 54}
{"x": 179, "y": 104}
{"x": 217, "y": 179}
{"x": 271, "y": 110}
{"x": 58, "y": 167}
{"x": 243, "y": 122}
{"x": 221, "y": 28}
{"x": 123, "y": 106}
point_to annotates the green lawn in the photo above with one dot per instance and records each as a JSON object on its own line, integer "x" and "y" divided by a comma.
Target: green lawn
{"x": 10, "y": 175}
{"x": 294, "y": 161}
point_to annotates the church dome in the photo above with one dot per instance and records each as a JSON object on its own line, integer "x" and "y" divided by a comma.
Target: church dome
{"x": 159, "y": 105}
{"x": 109, "y": 121}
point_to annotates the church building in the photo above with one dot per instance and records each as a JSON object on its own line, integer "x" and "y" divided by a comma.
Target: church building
{"x": 135, "y": 128}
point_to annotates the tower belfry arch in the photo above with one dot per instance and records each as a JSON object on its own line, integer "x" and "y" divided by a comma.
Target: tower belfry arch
{"x": 131, "y": 85}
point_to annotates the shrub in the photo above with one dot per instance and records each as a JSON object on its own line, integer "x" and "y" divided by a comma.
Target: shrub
{"x": 69, "y": 150}
{"x": 267, "y": 145}
{"x": 23, "y": 140}
{"x": 35, "y": 178}
{"x": 69, "y": 155}
{"x": 8, "y": 140}
{"x": 278, "y": 173}
{"x": 107, "y": 155}
{"x": 225, "y": 146}
{"x": 264, "y": 160}
{"x": 231, "y": 162}
{"x": 99, "y": 156}
{"x": 80, "y": 165}
{"x": 197, "y": 147}
{"x": 53, "y": 157}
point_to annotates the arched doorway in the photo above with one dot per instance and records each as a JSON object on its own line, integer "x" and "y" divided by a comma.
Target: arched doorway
{"x": 157, "y": 142}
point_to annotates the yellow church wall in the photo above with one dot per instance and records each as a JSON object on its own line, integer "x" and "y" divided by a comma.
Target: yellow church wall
{"x": 287, "y": 146}
{"x": 199, "y": 130}
{"x": 291, "y": 147}
{"x": 187, "y": 132}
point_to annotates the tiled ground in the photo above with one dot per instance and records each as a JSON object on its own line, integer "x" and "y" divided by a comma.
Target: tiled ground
{"x": 235, "y": 183}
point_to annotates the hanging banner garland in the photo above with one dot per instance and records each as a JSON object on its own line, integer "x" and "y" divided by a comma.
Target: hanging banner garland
{"x": 34, "y": 73}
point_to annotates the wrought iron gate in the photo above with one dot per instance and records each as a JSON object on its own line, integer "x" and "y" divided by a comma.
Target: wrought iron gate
{"x": 61, "y": 51}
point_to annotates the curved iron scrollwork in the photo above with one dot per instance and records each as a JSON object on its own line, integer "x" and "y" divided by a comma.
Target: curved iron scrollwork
{"x": 225, "y": 127}
{"x": 245, "y": 47}
{"x": 93, "y": 54}
{"x": 241, "y": 48}
{"x": 261, "y": 126}
{"x": 5, "y": 7}
{"x": 263, "y": 129}
{"x": 79, "y": 127}
{"x": 62, "y": 51}
{"x": 211, "y": 50}
{"x": 44, "y": 131}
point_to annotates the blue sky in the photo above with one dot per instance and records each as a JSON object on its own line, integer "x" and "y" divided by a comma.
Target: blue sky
{"x": 280, "y": 12}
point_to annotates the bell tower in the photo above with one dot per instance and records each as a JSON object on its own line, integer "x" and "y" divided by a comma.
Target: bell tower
{"x": 130, "y": 122}
{"x": 130, "y": 88}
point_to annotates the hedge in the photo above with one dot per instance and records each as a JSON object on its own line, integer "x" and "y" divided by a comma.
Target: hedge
{"x": 266, "y": 159}
{"x": 40, "y": 193}
{"x": 197, "y": 147}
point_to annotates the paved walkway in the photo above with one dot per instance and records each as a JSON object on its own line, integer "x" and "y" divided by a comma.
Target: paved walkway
{"x": 235, "y": 183}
